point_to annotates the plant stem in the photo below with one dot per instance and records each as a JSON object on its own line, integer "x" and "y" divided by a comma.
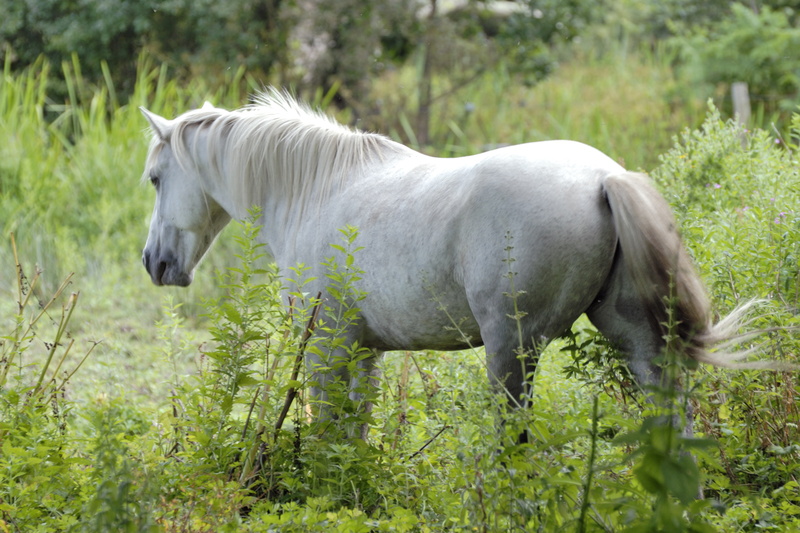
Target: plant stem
{"x": 585, "y": 504}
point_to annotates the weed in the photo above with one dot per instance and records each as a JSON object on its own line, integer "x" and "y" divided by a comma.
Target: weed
{"x": 38, "y": 479}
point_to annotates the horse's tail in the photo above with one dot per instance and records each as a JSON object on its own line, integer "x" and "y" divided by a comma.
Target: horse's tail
{"x": 665, "y": 278}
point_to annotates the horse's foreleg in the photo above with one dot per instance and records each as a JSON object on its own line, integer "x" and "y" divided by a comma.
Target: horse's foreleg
{"x": 333, "y": 373}
{"x": 362, "y": 390}
{"x": 327, "y": 372}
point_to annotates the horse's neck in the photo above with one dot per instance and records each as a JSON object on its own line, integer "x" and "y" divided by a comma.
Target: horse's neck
{"x": 283, "y": 213}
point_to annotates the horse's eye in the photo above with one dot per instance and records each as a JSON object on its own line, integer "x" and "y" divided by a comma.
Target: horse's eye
{"x": 155, "y": 181}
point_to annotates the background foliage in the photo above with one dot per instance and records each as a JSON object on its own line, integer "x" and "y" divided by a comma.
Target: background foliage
{"x": 126, "y": 407}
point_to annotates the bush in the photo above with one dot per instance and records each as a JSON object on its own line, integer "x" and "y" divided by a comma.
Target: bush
{"x": 531, "y": 37}
{"x": 200, "y": 38}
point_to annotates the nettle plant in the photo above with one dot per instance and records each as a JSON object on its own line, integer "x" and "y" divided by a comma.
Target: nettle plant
{"x": 737, "y": 193}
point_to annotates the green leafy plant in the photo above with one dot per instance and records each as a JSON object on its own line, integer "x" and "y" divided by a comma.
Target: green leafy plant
{"x": 119, "y": 495}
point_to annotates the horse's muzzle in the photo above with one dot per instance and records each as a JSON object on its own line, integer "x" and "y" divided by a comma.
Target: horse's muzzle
{"x": 165, "y": 270}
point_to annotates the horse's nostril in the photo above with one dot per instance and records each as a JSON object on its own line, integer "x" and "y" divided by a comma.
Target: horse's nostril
{"x": 155, "y": 267}
{"x": 158, "y": 275}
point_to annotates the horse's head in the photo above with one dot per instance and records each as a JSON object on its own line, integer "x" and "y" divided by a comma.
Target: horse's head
{"x": 186, "y": 218}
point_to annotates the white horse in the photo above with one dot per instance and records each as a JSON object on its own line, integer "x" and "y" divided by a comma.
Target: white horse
{"x": 588, "y": 237}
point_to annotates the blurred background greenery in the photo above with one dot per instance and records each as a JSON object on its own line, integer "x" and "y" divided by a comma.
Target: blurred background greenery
{"x": 350, "y": 45}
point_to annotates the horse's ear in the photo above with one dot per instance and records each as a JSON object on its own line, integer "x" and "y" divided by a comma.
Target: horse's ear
{"x": 207, "y": 105}
{"x": 160, "y": 125}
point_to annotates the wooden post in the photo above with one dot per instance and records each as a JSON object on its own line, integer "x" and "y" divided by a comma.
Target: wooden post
{"x": 741, "y": 107}
{"x": 741, "y": 102}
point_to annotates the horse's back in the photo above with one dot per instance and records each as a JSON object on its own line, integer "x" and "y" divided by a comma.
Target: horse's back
{"x": 557, "y": 157}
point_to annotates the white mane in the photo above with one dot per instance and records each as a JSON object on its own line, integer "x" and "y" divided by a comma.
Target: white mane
{"x": 275, "y": 146}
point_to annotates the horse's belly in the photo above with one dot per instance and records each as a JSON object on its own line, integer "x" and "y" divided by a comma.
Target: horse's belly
{"x": 428, "y": 325}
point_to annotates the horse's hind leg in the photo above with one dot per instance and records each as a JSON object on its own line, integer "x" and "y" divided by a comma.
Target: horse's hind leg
{"x": 621, "y": 316}
{"x": 509, "y": 366}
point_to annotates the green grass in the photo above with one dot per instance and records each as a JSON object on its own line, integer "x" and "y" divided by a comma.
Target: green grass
{"x": 146, "y": 444}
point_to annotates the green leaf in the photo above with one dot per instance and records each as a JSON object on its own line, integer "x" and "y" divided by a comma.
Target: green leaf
{"x": 681, "y": 477}
{"x": 246, "y": 380}
{"x": 650, "y": 474}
